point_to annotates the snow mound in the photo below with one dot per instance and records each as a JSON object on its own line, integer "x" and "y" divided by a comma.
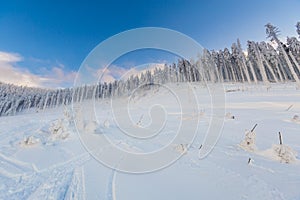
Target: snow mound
{"x": 106, "y": 124}
{"x": 248, "y": 143}
{"x": 91, "y": 126}
{"x": 282, "y": 153}
{"x": 85, "y": 124}
{"x": 181, "y": 148}
{"x": 229, "y": 116}
{"x": 29, "y": 141}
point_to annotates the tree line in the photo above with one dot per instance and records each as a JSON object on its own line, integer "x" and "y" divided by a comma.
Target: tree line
{"x": 260, "y": 62}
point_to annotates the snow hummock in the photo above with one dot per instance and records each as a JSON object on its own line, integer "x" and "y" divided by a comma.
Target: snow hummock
{"x": 181, "y": 148}
{"x": 29, "y": 141}
{"x": 91, "y": 126}
{"x": 229, "y": 116}
{"x": 249, "y": 141}
{"x": 282, "y": 153}
{"x": 59, "y": 129}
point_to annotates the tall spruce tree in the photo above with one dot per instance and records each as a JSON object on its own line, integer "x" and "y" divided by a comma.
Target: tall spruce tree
{"x": 272, "y": 33}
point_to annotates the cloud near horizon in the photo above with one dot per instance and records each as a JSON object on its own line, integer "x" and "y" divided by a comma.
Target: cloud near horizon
{"x": 57, "y": 76}
{"x": 12, "y": 72}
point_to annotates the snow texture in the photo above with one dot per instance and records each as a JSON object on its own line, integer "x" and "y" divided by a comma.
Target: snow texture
{"x": 42, "y": 156}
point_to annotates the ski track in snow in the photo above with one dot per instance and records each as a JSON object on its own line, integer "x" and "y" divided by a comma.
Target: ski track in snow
{"x": 61, "y": 181}
{"x": 76, "y": 189}
{"x": 256, "y": 185}
{"x": 111, "y": 191}
{"x": 11, "y": 167}
{"x": 55, "y": 187}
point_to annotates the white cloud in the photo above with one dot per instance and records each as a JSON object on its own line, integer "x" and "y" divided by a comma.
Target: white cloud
{"x": 10, "y": 72}
{"x": 10, "y": 57}
{"x": 57, "y": 76}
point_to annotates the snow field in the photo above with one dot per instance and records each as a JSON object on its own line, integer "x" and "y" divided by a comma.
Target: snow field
{"x": 42, "y": 157}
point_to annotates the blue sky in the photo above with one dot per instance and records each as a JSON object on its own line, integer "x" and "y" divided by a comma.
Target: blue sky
{"x": 48, "y": 39}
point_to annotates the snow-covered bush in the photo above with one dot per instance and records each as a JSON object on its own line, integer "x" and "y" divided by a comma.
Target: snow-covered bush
{"x": 59, "y": 130}
{"x": 282, "y": 153}
{"x": 29, "y": 141}
{"x": 249, "y": 141}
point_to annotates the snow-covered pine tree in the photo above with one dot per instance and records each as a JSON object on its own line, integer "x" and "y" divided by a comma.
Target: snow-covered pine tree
{"x": 256, "y": 58}
{"x": 294, "y": 46}
{"x": 298, "y": 28}
{"x": 270, "y": 71}
{"x": 272, "y": 33}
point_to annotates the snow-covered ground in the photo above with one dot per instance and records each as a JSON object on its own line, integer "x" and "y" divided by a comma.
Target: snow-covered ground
{"x": 42, "y": 157}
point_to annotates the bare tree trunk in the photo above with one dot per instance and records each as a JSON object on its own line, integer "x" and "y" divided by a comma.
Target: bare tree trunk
{"x": 294, "y": 74}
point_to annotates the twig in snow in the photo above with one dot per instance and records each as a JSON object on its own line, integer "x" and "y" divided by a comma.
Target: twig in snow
{"x": 289, "y": 107}
{"x": 249, "y": 161}
{"x": 280, "y": 139}
{"x": 253, "y": 127}
{"x": 140, "y": 121}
